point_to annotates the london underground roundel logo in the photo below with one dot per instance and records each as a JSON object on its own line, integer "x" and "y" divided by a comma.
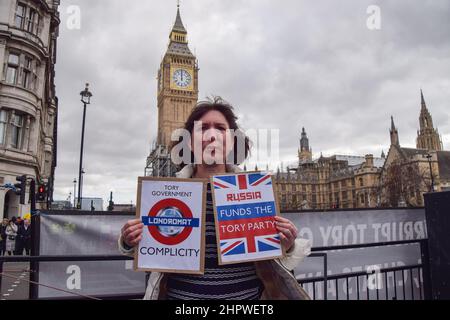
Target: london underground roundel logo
{"x": 170, "y": 221}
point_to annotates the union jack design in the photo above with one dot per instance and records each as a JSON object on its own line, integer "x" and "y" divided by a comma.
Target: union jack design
{"x": 242, "y": 181}
{"x": 250, "y": 244}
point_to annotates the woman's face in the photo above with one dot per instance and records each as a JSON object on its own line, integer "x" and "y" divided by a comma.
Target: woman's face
{"x": 213, "y": 131}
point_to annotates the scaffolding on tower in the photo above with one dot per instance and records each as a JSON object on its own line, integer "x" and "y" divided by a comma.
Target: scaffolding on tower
{"x": 159, "y": 163}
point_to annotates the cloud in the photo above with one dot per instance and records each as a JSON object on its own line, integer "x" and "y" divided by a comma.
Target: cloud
{"x": 284, "y": 65}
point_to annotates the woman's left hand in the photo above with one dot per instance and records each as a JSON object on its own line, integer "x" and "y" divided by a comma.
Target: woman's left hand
{"x": 287, "y": 230}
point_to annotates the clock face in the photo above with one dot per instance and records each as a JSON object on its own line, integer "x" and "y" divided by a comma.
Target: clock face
{"x": 182, "y": 78}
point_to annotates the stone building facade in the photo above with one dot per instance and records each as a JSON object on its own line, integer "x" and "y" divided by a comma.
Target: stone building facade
{"x": 28, "y": 102}
{"x": 408, "y": 173}
{"x": 336, "y": 182}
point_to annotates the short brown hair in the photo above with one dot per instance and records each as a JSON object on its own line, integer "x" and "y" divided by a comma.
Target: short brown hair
{"x": 216, "y": 103}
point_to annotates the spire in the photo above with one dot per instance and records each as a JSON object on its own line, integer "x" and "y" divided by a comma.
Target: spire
{"x": 178, "y": 26}
{"x": 394, "y": 133}
{"x": 424, "y": 105}
{"x": 178, "y": 44}
{"x": 383, "y": 155}
{"x": 427, "y": 136}
{"x": 304, "y": 141}
{"x": 392, "y": 124}
{"x": 425, "y": 119}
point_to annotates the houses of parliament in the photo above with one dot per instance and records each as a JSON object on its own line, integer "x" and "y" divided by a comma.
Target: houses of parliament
{"x": 398, "y": 178}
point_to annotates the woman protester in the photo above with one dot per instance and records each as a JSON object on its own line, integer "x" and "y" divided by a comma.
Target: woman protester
{"x": 270, "y": 279}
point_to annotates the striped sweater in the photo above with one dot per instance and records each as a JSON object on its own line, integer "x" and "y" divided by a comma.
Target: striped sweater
{"x": 228, "y": 282}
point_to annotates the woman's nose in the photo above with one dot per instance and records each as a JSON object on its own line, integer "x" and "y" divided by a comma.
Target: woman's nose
{"x": 211, "y": 135}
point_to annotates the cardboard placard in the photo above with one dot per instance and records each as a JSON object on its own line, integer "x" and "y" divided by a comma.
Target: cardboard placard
{"x": 173, "y": 213}
{"x": 244, "y": 209}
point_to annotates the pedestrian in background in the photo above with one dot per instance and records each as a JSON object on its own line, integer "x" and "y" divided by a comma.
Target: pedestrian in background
{"x": 3, "y": 236}
{"x": 23, "y": 240}
{"x": 11, "y": 234}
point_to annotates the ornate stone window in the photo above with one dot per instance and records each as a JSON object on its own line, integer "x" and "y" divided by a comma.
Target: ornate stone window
{"x": 21, "y": 69}
{"x": 27, "y": 80}
{"x": 20, "y": 15}
{"x": 12, "y": 69}
{"x": 28, "y": 19}
{"x": 17, "y": 121}
{"x": 3, "y": 126}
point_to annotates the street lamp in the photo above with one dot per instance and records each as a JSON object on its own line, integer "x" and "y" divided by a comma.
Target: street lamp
{"x": 82, "y": 183}
{"x": 74, "y": 192}
{"x": 86, "y": 99}
{"x": 429, "y": 156}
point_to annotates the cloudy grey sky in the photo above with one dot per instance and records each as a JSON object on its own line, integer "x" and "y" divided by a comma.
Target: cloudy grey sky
{"x": 283, "y": 64}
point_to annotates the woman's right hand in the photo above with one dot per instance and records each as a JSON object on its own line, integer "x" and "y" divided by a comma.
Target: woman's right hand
{"x": 132, "y": 232}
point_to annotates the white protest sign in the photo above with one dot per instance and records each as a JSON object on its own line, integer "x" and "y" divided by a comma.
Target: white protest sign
{"x": 245, "y": 206}
{"x": 173, "y": 213}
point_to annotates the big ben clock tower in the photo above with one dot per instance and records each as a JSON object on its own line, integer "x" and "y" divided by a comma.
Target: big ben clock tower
{"x": 177, "y": 83}
{"x": 177, "y": 96}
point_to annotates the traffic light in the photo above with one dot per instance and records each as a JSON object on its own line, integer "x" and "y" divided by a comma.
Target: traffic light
{"x": 42, "y": 193}
{"x": 21, "y": 187}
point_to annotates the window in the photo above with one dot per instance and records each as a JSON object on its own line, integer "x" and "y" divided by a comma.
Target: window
{"x": 12, "y": 68}
{"x": 20, "y": 15}
{"x": 31, "y": 20}
{"x": 361, "y": 182}
{"x": 28, "y": 19}
{"x": 344, "y": 195}
{"x": 26, "y": 80}
{"x": 16, "y": 131}
{"x": 28, "y": 71}
{"x": 39, "y": 25}
{"x": 34, "y": 83}
{"x": 3, "y": 123}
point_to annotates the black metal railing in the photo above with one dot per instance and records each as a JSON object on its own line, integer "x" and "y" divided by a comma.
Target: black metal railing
{"x": 422, "y": 272}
